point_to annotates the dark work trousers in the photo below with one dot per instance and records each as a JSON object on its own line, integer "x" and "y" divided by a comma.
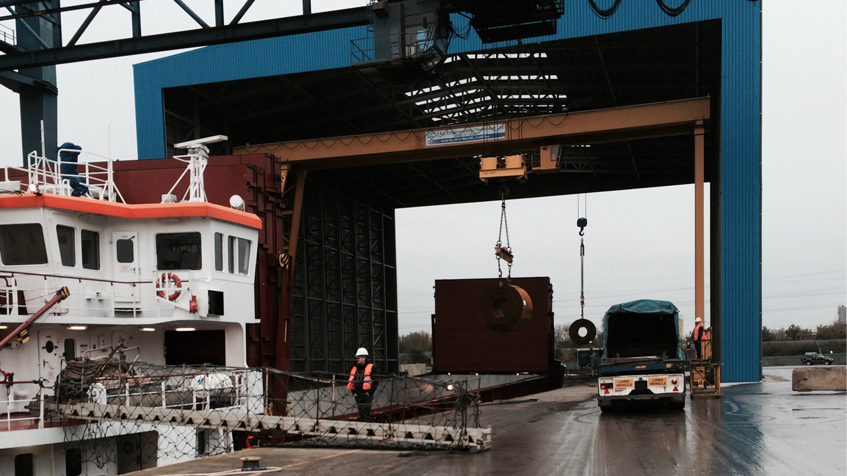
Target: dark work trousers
{"x": 363, "y": 401}
{"x": 699, "y": 349}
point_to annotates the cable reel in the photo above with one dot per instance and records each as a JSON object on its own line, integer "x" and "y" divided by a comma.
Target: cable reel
{"x": 504, "y": 306}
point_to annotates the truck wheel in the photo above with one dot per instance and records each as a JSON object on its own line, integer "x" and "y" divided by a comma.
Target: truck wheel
{"x": 828, "y": 363}
{"x": 677, "y": 404}
{"x": 808, "y": 362}
{"x": 607, "y": 408}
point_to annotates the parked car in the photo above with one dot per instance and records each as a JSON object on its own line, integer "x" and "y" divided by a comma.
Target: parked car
{"x": 812, "y": 358}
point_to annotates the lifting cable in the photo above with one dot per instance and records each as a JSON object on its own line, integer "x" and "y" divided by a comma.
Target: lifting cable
{"x": 505, "y": 307}
{"x": 582, "y": 322}
{"x": 582, "y": 222}
{"x": 500, "y": 251}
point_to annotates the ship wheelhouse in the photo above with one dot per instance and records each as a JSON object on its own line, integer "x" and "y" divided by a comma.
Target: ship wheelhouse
{"x": 171, "y": 265}
{"x": 168, "y": 283}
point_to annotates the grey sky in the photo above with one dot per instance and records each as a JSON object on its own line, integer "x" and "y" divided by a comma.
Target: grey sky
{"x": 804, "y": 170}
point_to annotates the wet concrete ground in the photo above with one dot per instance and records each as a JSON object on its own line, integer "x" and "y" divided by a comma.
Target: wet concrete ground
{"x": 754, "y": 429}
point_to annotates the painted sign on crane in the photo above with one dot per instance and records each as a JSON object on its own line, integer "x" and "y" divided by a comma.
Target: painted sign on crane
{"x": 466, "y": 134}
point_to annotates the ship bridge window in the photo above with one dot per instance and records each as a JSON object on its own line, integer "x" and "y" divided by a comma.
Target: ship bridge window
{"x": 219, "y": 252}
{"x": 239, "y": 255}
{"x": 65, "y": 236}
{"x": 22, "y": 244}
{"x": 90, "y": 241}
{"x": 178, "y": 251}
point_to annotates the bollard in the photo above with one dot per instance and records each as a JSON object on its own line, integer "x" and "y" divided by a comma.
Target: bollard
{"x": 251, "y": 463}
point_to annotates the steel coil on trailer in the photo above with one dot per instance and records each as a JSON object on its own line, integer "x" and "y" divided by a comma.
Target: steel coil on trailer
{"x": 590, "y": 331}
{"x": 505, "y": 307}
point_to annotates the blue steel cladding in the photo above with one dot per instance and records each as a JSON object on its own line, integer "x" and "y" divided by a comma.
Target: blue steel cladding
{"x": 740, "y": 126}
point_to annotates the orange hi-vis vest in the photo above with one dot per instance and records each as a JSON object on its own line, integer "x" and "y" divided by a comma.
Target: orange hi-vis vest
{"x": 697, "y": 328}
{"x": 366, "y": 383}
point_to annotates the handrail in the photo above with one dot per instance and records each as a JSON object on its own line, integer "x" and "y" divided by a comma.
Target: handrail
{"x": 46, "y": 174}
{"x": 10, "y": 401}
{"x": 65, "y": 276}
{"x": 7, "y": 35}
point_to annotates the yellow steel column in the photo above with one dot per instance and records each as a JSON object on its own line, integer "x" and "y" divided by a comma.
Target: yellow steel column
{"x": 699, "y": 248}
{"x": 295, "y": 219}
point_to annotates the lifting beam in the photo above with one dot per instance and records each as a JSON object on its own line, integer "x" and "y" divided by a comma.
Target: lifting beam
{"x": 597, "y": 126}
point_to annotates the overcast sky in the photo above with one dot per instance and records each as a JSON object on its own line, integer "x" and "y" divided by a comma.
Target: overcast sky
{"x": 804, "y": 175}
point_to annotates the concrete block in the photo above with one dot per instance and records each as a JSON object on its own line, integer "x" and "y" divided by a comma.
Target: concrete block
{"x": 805, "y": 379}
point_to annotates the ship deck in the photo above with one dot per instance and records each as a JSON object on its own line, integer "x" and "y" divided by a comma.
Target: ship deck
{"x": 17, "y": 421}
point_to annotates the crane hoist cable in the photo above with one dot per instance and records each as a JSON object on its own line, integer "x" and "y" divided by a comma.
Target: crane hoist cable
{"x": 503, "y": 252}
{"x": 582, "y": 322}
{"x": 505, "y": 307}
{"x": 582, "y": 222}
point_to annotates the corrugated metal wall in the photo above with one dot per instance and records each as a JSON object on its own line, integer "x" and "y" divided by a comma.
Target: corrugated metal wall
{"x": 739, "y": 276}
{"x": 345, "y": 280}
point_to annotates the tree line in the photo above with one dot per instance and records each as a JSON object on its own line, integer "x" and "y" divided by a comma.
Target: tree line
{"x": 416, "y": 347}
{"x": 794, "y": 333}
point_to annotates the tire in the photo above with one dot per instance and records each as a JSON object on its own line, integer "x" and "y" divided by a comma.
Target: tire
{"x": 677, "y": 404}
{"x": 828, "y": 363}
{"x": 809, "y": 362}
{"x": 607, "y": 408}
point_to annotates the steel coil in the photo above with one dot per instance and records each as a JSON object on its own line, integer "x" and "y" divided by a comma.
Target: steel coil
{"x": 505, "y": 307}
{"x": 590, "y": 331}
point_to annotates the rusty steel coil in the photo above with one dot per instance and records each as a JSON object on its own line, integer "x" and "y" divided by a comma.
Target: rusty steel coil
{"x": 505, "y": 307}
{"x": 590, "y": 331}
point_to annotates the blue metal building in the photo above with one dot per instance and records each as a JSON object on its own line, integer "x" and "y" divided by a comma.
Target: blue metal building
{"x": 735, "y": 153}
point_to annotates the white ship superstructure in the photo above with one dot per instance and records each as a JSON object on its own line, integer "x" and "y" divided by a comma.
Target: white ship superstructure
{"x": 165, "y": 283}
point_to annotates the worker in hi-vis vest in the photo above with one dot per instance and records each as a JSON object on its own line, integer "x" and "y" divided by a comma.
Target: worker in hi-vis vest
{"x": 361, "y": 384}
{"x": 698, "y": 337}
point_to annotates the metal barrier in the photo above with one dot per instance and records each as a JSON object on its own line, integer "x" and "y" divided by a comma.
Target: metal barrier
{"x": 45, "y": 175}
{"x": 7, "y": 35}
{"x": 22, "y": 418}
{"x": 116, "y": 397}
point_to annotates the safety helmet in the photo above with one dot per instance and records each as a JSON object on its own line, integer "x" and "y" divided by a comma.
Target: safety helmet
{"x": 698, "y": 320}
{"x": 362, "y": 352}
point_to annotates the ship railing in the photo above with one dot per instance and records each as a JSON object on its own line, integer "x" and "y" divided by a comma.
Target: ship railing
{"x": 45, "y": 175}
{"x": 15, "y": 419}
{"x": 232, "y": 390}
{"x": 8, "y": 294}
{"x": 425, "y": 412}
{"x": 128, "y": 298}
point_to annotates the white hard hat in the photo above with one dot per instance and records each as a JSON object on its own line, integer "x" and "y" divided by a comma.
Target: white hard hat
{"x": 362, "y": 352}
{"x": 698, "y": 320}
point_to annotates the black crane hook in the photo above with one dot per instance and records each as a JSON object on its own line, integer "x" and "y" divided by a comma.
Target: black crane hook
{"x": 582, "y": 223}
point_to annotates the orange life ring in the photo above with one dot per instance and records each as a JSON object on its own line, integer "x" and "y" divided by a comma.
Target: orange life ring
{"x": 164, "y": 280}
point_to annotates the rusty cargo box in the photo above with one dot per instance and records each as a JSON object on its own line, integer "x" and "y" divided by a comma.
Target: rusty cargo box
{"x": 461, "y": 341}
